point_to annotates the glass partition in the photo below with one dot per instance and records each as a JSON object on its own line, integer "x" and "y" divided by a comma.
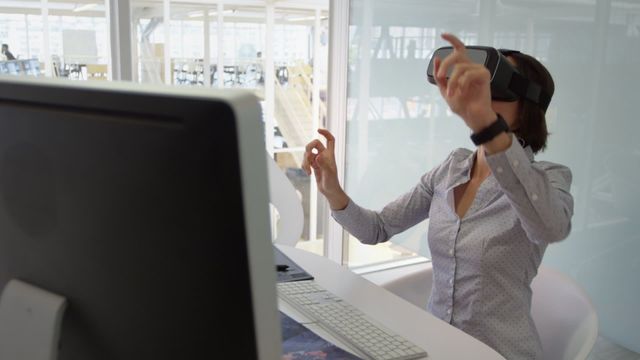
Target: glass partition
{"x": 399, "y": 127}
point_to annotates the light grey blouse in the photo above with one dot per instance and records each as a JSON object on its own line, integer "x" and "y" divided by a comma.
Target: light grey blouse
{"x": 483, "y": 263}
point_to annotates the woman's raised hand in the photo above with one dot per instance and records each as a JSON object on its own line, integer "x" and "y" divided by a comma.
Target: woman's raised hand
{"x": 468, "y": 89}
{"x": 322, "y": 162}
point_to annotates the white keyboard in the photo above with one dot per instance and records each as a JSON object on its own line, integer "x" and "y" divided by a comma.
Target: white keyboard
{"x": 347, "y": 323}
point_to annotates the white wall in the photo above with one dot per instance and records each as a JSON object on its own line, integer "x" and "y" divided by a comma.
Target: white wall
{"x": 398, "y": 126}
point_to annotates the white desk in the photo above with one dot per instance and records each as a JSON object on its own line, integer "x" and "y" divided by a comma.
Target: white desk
{"x": 439, "y": 339}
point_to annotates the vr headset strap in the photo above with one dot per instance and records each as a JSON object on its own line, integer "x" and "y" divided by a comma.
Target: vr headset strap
{"x": 529, "y": 90}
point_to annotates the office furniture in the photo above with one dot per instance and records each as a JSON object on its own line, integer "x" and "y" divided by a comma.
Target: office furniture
{"x": 564, "y": 316}
{"x": 97, "y": 72}
{"x": 20, "y": 67}
{"x": 413, "y": 286}
{"x": 284, "y": 198}
{"x": 30, "y": 322}
{"x": 441, "y": 340}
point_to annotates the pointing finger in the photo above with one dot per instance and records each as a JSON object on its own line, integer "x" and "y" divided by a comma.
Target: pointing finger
{"x": 457, "y": 44}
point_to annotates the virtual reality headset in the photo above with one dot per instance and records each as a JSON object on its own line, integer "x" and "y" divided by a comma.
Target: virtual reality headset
{"x": 507, "y": 84}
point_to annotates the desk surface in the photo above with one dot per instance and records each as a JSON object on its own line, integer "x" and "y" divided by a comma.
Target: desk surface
{"x": 439, "y": 339}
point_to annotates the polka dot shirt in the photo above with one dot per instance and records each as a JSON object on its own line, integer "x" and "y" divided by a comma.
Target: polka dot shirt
{"x": 483, "y": 263}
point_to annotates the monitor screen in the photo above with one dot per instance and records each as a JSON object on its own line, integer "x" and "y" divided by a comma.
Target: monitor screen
{"x": 34, "y": 67}
{"x": 13, "y": 68}
{"x": 147, "y": 210}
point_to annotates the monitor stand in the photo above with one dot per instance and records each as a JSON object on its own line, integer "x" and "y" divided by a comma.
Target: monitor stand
{"x": 30, "y": 322}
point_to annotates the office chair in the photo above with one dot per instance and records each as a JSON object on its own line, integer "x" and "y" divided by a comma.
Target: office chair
{"x": 285, "y": 199}
{"x": 566, "y": 319}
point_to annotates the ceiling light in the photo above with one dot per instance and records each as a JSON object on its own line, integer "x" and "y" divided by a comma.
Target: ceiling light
{"x": 225, "y": 12}
{"x": 84, "y": 7}
{"x": 196, "y": 14}
{"x": 304, "y": 18}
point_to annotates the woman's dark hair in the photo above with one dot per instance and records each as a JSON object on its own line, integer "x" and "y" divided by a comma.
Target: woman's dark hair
{"x": 532, "y": 124}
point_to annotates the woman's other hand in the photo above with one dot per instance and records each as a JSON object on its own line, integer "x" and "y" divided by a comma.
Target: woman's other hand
{"x": 468, "y": 89}
{"x": 322, "y": 162}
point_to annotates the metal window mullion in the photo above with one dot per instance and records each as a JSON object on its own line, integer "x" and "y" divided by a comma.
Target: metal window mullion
{"x": 166, "y": 13}
{"x": 315, "y": 123}
{"x": 269, "y": 78}
{"x": 337, "y": 113}
{"x": 220, "y": 25}
{"x": 121, "y": 40}
{"x": 45, "y": 39}
{"x": 206, "y": 61}
{"x": 26, "y": 27}
{"x": 107, "y": 16}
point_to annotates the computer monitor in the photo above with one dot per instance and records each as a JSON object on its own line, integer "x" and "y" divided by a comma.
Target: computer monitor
{"x": 148, "y": 210}
{"x": 13, "y": 67}
{"x": 34, "y": 67}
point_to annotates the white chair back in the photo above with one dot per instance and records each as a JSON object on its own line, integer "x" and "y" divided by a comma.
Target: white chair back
{"x": 284, "y": 197}
{"x": 566, "y": 319}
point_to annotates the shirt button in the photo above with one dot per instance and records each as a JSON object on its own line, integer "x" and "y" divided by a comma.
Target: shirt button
{"x": 499, "y": 169}
{"x": 450, "y": 281}
{"x": 534, "y": 197}
{"x": 451, "y": 252}
{"x": 448, "y": 311}
{"x": 516, "y": 163}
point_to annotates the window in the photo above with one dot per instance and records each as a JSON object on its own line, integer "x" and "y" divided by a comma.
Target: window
{"x": 62, "y": 39}
{"x": 233, "y": 46}
{"x": 227, "y": 45}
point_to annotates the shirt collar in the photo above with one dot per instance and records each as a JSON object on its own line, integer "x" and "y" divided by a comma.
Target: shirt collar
{"x": 460, "y": 172}
{"x": 529, "y": 152}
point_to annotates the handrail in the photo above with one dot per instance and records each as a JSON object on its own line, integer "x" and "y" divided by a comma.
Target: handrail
{"x": 307, "y": 84}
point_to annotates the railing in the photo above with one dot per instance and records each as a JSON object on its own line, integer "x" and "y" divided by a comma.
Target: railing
{"x": 302, "y": 71}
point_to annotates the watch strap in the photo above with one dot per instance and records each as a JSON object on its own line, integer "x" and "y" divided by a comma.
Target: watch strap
{"x": 487, "y": 134}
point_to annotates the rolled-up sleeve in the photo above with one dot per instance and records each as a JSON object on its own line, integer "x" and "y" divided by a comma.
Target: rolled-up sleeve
{"x": 372, "y": 227}
{"x": 538, "y": 191}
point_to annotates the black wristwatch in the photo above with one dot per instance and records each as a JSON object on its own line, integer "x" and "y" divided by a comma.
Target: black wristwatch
{"x": 487, "y": 134}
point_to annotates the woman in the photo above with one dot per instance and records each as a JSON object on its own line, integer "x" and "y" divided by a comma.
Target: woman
{"x": 492, "y": 212}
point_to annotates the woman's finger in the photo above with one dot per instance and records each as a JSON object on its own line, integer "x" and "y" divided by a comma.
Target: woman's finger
{"x": 454, "y": 80}
{"x": 309, "y": 156}
{"x": 331, "y": 140}
{"x": 475, "y": 75}
{"x": 436, "y": 66}
{"x": 307, "y": 160}
{"x": 445, "y": 64}
{"x": 315, "y": 144}
{"x": 457, "y": 44}
{"x": 459, "y": 50}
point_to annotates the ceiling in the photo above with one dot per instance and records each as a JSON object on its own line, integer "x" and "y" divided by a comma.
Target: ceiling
{"x": 287, "y": 11}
